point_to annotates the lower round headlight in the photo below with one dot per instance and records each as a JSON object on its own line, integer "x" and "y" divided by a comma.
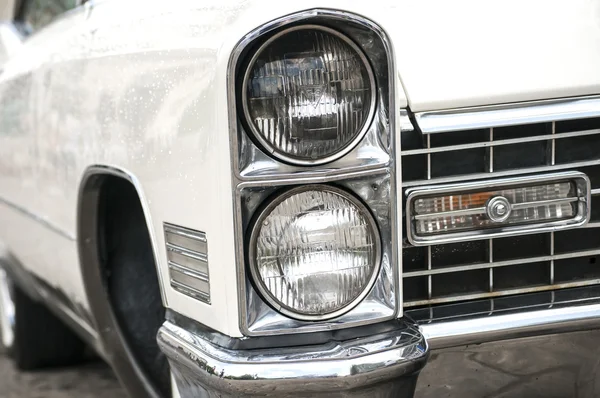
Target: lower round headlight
{"x": 314, "y": 252}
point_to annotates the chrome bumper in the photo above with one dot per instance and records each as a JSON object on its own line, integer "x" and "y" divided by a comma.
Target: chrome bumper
{"x": 384, "y": 365}
{"x": 557, "y": 365}
{"x": 552, "y": 351}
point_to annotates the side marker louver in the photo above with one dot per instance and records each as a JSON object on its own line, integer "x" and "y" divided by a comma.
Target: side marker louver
{"x": 187, "y": 256}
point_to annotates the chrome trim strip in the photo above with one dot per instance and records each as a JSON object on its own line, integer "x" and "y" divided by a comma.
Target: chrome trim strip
{"x": 182, "y": 239}
{"x": 462, "y": 212}
{"x": 201, "y": 257}
{"x": 185, "y": 261}
{"x": 43, "y": 221}
{"x": 190, "y": 291}
{"x": 508, "y": 114}
{"x": 312, "y": 178}
{"x": 581, "y": 218}
{"x": 186, "y": 232}
{"x": 500, "y": 293}
{"x": 191, "y": 279}
{"x": 507, "y": 173}
{"x": 527, "y": 205}
{"x": 508, "y": 326}
{"x": 585, "y": 295}
{"x": 357, "y": 367}
{"x": 186, "y": 279}
{"x": 198, "y": 275}
{"x": 491, "y": 144}
{"x": 506, "y": 263}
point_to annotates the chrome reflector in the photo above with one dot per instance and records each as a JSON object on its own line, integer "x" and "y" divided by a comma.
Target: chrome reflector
{"x": 484, "y": 209}
{"x": 187, "y": 255}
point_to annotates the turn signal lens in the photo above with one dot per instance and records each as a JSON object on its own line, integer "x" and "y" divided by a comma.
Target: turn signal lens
{"x": 309, "y": 95}
{"x": 483, "y": 209}
{"x": 314, "y": 252}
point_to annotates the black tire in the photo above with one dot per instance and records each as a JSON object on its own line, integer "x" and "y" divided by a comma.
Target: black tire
{"x": 40, "y": 339}
{"x": 132, "y": 283}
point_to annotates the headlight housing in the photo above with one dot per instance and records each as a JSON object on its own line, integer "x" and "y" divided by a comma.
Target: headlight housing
{"x": 314, "y": 252}
{"x": 360, "y": 163}
{"x": 308, "y": 95}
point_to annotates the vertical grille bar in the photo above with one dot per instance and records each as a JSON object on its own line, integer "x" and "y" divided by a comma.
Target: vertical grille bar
{"x": 553, "y": 144}
{"x": 429, "y": 157}
{"x": 491, "y": 152}
{"x": 429, "y": 277}
{"x": 552, "y": 260}
{"x": 491, "y": 260}
{"x": 490, "y": 242}
{"x": 552, "y": 162}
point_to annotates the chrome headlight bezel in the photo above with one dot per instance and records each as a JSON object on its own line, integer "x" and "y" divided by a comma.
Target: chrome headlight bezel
{"x": 368, "y": 171}
{"x": 258, "y": 317}
{"x": 343, "y": 150}
{"x": 263, "y": 213}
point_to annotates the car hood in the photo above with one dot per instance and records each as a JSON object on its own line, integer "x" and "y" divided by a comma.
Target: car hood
{"x": 463, "y": 53}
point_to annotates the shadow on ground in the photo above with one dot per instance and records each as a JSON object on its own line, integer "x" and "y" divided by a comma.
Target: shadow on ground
{"x": 91, "y": 380}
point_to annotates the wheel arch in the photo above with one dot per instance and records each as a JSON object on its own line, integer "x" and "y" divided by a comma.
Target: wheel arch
{"x": 89, "y": 191}
{"x": 89, "y": 225}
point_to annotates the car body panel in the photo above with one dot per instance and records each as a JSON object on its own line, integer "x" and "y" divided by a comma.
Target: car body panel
{"x": 142, "y": 87}
{"x": 467, "y": 53}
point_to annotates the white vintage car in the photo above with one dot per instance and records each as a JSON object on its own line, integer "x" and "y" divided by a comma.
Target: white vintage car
{"x": 311, "y": 199}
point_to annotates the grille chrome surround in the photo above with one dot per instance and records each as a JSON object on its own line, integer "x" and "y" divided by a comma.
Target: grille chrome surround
{"x": 187, "y": 257}
{"x": 581, "y": 217}
{"x": 500, "y": 141}
{"x": 481, "y": 321}
{"x": 552, "y": 110}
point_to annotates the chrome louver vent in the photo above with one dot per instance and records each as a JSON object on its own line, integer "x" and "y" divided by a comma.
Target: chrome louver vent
{"x": 485, "y": 269}
{"x": 187, "y": 256}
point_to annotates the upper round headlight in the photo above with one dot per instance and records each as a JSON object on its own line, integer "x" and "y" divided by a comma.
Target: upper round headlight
{"x": 308, "y": 95}
{"x": 314, "y": 252}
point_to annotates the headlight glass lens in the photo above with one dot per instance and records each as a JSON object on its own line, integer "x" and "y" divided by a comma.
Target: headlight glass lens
{"x": 315, "y": 252}
{"x": 309, "y": 95}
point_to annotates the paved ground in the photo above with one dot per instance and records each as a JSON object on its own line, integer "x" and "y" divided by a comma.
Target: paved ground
{"x": 92, "y": 380}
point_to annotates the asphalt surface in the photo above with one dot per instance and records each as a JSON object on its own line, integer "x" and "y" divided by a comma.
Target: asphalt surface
{"x": 91, "y": 380}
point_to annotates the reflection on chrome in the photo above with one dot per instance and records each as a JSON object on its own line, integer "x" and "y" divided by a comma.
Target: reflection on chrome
{"x": 353, "y": 367}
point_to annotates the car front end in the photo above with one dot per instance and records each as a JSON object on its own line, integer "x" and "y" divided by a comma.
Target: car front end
{"x": 412, "y": 215}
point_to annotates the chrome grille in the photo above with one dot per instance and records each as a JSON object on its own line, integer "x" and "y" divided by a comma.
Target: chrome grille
{"x": 473, "y": 270}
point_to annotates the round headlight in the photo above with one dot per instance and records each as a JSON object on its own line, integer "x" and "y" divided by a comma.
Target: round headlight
{"x": 314, "y": 252}
{"x": 308, "y": 95}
